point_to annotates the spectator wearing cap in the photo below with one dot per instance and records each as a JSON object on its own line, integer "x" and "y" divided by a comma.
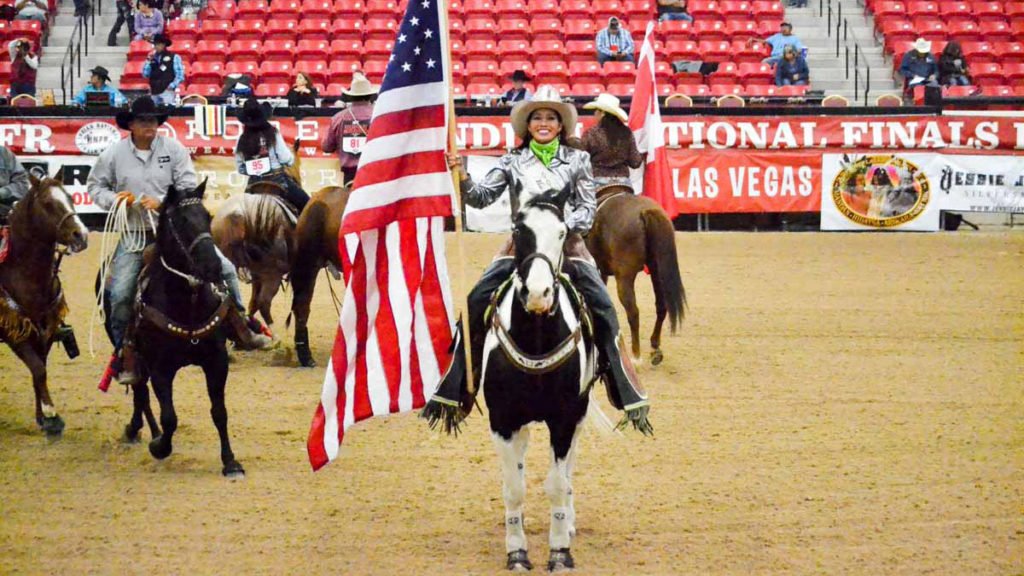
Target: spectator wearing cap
{"x": 148, "y": 22}
{"x": 32, "y": 10}
{"x": 24, "y": 64}
{"x": 98, "y": 82}
{"x": 614, "y": 43}
{"x": 350, "y": 126}
{"x": 918, "y": 66}
{"x": 164, "y": 70}
{"x": 519, "y": 92}
{"x": 673, "y": 10}
{"x": 125, "y": 14}
{"x": 792, "y": 70}
{"x": 778, "y": 41}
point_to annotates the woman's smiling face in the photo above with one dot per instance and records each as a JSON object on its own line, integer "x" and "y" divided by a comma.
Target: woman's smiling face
{"x": 544, "y": 125}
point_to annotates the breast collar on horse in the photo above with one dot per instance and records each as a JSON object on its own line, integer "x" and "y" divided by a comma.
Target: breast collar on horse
{"x": 19, "y": 330}
{"x": 193, "y": 331}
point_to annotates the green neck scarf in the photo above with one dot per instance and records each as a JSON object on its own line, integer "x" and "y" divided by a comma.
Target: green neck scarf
{"x": 545, "y": 152}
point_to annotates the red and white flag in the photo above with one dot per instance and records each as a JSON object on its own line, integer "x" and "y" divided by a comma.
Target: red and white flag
{"x": 645, "y": 122}
{"x": 396, "y": 329}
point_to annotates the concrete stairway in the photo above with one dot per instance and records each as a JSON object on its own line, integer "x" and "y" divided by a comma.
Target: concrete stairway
{"x": 61, "y": 30}
{"x": 828, "y": 72}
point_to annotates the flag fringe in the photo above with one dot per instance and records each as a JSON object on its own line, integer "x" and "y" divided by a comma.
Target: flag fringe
{"x": 453, "y": 401}
{"x": 638, "y": 417}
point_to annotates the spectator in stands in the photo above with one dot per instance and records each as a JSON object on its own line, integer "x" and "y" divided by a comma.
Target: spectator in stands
{"x": 953, "y": 70}
{"x": 349, "y": 127}
{"x": 148, "y": 21}
{"x": 190, "y": 9}
{"x": 792, "y": 69}
{"x": 239, "y": 85}
{"x": 260, "y": 141}
{"x": 519, "y": 92}
{"x": 98, "y": 83}
{"x": 778, "y": 41}
{"x": 164, "y": 70}
{"x": 125, "y": 14}
{"x": 32, "y": 10}
{"x": 610, "y": 143}
{"x": 673, "y": 10}
{"x": 918, "y": 66}
{"x": 24, "y": 64}
{"x": 614, "y": 43}
{"x": 303, "y": 93}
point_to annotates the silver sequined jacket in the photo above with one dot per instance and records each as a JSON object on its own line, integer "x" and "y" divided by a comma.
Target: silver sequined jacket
{"x": 567, "y": 182}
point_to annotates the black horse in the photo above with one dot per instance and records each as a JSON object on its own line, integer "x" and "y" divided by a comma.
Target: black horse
{"x": 538, "y": 365}
{"x": 182, "y": 306}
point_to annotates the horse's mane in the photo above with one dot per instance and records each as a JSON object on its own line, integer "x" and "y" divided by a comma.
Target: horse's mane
{"x": 542, "y": 202}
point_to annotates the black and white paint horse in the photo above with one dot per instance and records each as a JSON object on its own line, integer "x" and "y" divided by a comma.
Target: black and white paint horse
{"x": 538, "y": 365}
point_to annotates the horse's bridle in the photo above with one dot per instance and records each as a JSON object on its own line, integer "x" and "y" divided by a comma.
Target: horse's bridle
{"x": 523, "y": 267}
{"x": 193, "y": 281}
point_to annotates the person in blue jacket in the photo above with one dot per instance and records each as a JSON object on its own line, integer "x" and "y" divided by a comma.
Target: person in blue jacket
{"x": 792, "y": 69}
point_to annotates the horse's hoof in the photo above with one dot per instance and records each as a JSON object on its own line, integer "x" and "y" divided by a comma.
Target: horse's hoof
{"x": 53, "y": 426}
{"x": 656, "y": 357}
{"x": 519, "y": 561}
{"x": 130, "y": 436}
{"x": 560, "y": 559}
{"x": 160, "y": 449}
{"x": 305, "y": 357}
{"x": 233, "y": 471}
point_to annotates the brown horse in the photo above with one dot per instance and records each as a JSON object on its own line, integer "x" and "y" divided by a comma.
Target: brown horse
{"x": 316, "y": 245}
{"x": 629, "y": 233}
{"x": 255, "y": 230}
{"x": 32, "y": 305}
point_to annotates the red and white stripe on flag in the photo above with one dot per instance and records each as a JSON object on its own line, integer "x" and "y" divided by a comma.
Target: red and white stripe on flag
{"x": 397, "y": 319}
{"x": 645, "y": 122}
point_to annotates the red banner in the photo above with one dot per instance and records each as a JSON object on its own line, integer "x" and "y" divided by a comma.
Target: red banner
{"x": 740, "y": 181}
{"x": 897, "y": 133}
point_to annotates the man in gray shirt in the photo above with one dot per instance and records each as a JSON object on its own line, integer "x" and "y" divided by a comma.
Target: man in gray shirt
{"x": 13, "y": 182}
{"x": 138, "y": 171}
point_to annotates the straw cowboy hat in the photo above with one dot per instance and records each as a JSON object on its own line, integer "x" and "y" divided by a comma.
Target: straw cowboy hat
{"x": 143, "y": 107}
{"x": 610, "y": 104}
{"x": 922, "y": 45}
{"x": 360, "y": 87}
{"x": 546, "y": 97}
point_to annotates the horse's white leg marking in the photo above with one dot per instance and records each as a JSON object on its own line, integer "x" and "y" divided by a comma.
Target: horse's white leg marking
{"x": 570, "y": 465}
{"x": 49, "y": 411}
{"x": 559, "y": 489}
{"x": 513, "y": 467}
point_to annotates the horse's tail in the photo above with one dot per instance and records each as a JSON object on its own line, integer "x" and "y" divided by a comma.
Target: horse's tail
{"x": 669, "y": 293}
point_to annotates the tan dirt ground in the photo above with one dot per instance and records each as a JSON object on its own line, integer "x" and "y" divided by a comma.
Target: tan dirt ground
{"x": 835, "y": 404}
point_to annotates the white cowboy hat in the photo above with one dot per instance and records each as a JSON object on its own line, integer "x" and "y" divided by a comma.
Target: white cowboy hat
{"x": 360, "y": 86}
{"x": 610, "y": 104}
{"x": 546, "y": 97}
{"x": 922, "y": 45}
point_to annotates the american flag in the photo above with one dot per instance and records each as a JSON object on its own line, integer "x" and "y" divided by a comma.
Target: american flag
{"x": 396, "y": 327}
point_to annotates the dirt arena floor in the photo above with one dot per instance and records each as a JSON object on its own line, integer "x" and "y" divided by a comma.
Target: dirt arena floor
{"x": 835, "y": 404}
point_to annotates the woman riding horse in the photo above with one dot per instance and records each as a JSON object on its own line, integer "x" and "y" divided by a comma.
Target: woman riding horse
{"x": 611, "y": 144}
{"x": 543, "y": 165}
{"x": 262, "y": 154}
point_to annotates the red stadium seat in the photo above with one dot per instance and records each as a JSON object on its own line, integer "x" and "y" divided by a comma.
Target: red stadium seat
{"x": 346, "y": 50}
{"x": 31, "y": 29}
{"x": 996, "y": 31}
{"x": 998, "y": 91}
{"x": 347, "y": 29}
{"x": 206, "y": 73}
{"x": 482, "y": 72}
{"x": 640, "y": 10}
{"x": 676, "y": 30}
{"x": 132, "y": 72}
{"x": 323, "y": 9}
{"x": 549, "y": 50}
{"x": 586, "y": 72}
{"x": 384, "y": 9}
{"x": 987, "y": 74}
{"x": 205, "y": 90}
{"x": 620, "y": 88}
{"x": 380, "y": 29}
{"x": 897, "y": 48}
{"x": 215, "y": 10}
{"x": 179, "y": 30}
{"x": 314, "y": 29}
{"x": 957, "y": 91}
{"x": 771, "y": 10}
{"x": 248, "y": 30}
{"x": 312, "y": 51}
{"x": 710, "y": 30}
{"x": 507, "y": 67}
{"x": 514, "y": 49}
{"x": 458, "y": 48}
{"x": 139, "y": 50}
{"x": 478, "y": 9}
{"x": 514, "y": 29}
{"x": 605, "y": 9}
{"x": 483, "y": 89}
{"x": 334, "y": 90}
{"x": 715, "y": 51}
{"x": 743, "y": 51}
{"x": 1014, "y": 73}
{"x": 374, "y": 70}
{"x": 931, "y": 28}
{"x": 245, "y": 50}
{"x": 276, "y": 71}
{"x": 767, "y": 28}
{"x": 317, "y": 71}
{"x": 693, "y": 90}
{"x": 252, "y": 10}
{"x": 619, "y": 71}
{"x": 724, "y": 89}
{"x": 751, "y": 73}
{"x": 211, "y": 51}
{"x": 682, "y": 50}
{"x": 349, "y": 9}
{"x": 511, "y": 9}
{"x": 480, "y": 29}
{"x": 706, "y": 10}
{"x": 977, "y": 52}
{"x": 212, "y": 30}
{"x": 888, "y": 9}
{"x": 341, "y": 70}
{"x": 761, "y": 90}
{"x": 279, "y": 51}
{"x": 580, "y": 30}
{"x": 286, "y": 9}
{"x": 791, "y": 91}
{"x": 664, "y": 72}
{"x": 742, "y": 30}
{"x": 581, "y": 50}
{"x": 550, "y": 72}
{"x": 577, "y": 10}
{"x": 587, "y": 89}
{"x": 481, "y": 50}
{"x": 987, "y": 10}
{"x": 378, "y": 48}
{"x": 1009, "y": 51}
{"x": 965, "y": 31}
{"x": 955, "y": 9}
{"x": 546, "y": 29}
{"x": 917, "y": 9}
{"x": 273, "y": 90}
{"x": 727, "y": 73}
{"x": 250, "y": 67}
{"x": 896, "y": 28}
{"x": 544, "y": 9}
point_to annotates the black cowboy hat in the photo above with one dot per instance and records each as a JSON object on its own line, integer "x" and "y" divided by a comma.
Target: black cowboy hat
{"x": 255, "y": 114}
{"x": 101, "y": 72}
{"x": 143, "y": 107}
{"x": 162, "y": 39}
{"x": 519, "y": 76}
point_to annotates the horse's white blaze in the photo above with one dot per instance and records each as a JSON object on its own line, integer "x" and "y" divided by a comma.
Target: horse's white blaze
{"x": 62, "y": 198}
{"x": 49, "y": 411}
{"x": 549, "y": 233}
{"x": 512, "y": 453}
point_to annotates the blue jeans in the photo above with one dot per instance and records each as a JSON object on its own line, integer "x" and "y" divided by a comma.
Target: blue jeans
{"x": 19, "y": 89}
{"x": 124, "y": 280}
{"x": 601, "y": 59}
{"x": 788, "y": 82}
{"x": 954, "y": 80}
{"x": 165, "y": 98}
{"x": 675, "y": 16}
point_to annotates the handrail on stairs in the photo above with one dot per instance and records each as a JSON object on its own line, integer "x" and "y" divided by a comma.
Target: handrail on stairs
{"x": 78, "y": 45}
{"x": 842, "y": 28}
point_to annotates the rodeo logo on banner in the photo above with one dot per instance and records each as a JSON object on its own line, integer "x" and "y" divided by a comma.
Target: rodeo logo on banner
{"x": 877, "y": 192}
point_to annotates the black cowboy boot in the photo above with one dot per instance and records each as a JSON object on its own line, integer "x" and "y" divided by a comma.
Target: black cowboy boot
{"x": 129, "y": 375}
{"x": 243, "y": 337}
{"x": 66, "y": 336}
{"x": 620, "y": 378}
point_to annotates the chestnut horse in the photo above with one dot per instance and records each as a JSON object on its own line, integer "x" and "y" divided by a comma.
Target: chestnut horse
{"x": 32, "y": 305}
{"x": 316, "y": 245}
{"x": 629, "y": 233}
